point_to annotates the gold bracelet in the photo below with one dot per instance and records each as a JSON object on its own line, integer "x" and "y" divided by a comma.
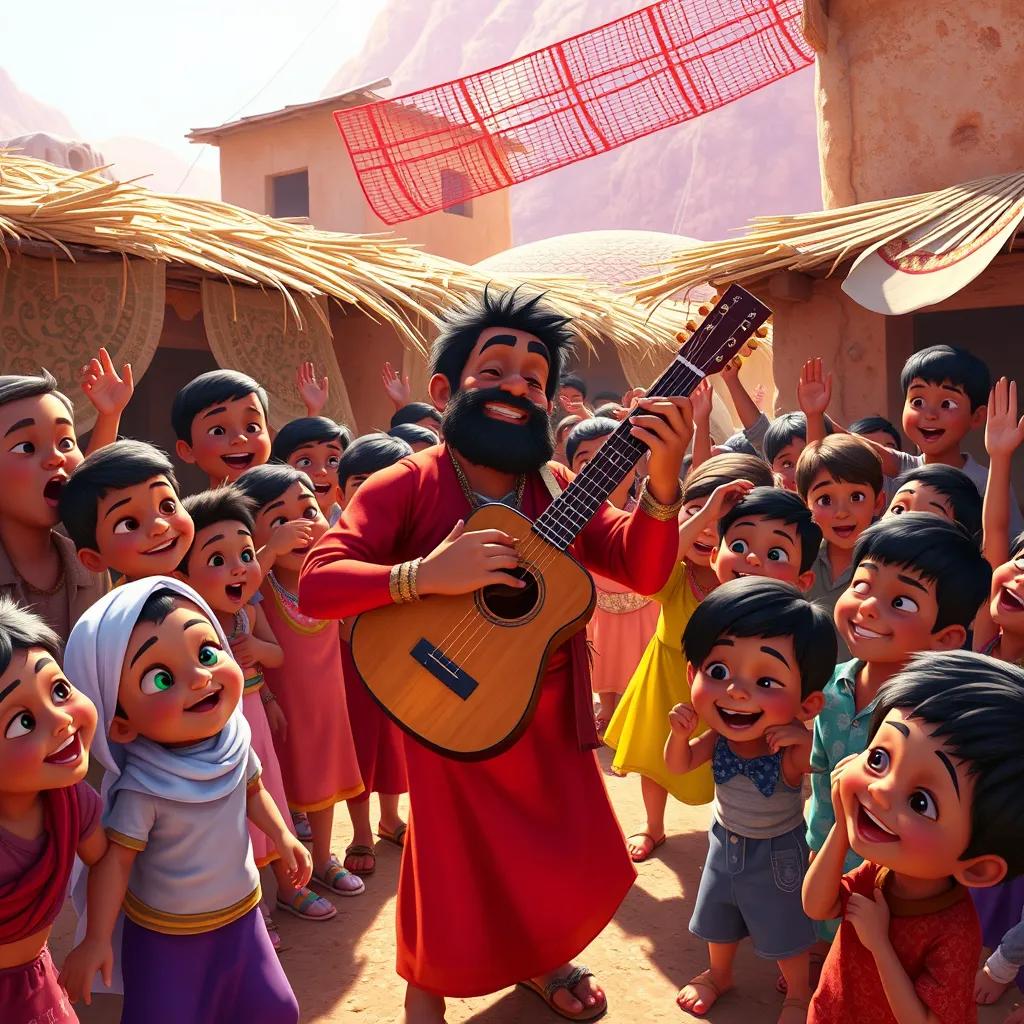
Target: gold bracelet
{"x": 414, "y": 572}
{"x": 393, "y": 583}
{"x": 655, "y": 509}
{"x": 404, "y": 583}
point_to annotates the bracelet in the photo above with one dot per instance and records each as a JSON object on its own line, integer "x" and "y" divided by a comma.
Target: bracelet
{"x": 414, "y": 572}
{"x": 655, "y": 509}
{"x": 396, "y": 594}
{"x": 402, "y": 581}
{"x": 267, "y": 696}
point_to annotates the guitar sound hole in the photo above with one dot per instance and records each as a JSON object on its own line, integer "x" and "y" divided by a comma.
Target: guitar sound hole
{"x": 509, "y": 604}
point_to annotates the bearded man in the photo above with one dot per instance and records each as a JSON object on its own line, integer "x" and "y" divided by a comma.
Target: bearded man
{"x": 514, "y": 864}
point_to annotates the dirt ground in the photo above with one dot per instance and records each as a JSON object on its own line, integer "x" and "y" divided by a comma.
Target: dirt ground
{"x": 343, "y": 970}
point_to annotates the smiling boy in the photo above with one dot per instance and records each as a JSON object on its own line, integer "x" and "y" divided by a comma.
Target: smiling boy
{"x": 121, "y": 509}
{"x": 941, "y": 491}
{"x": 767, "y": 533}
{"x": 933, "y": 807}
{"x": 220, "y": 419}
{"x": 840, "y": 480}
{"x": 917, "y": 584}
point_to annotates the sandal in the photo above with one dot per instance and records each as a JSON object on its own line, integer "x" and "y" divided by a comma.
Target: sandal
{"x": 339, "y": 881}
{"x": 397, "y": 837}
{"x": 301, "y": 825}
{"x": 275, "y": 936}
{"x": 568, "y": 983}
{"x": 655, "y": 843}
{"x": 703, "y": 980}
{"x": 303, "y": 901}
{"x": 358, "y": 850}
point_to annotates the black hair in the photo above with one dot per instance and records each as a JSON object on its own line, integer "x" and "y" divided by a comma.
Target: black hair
{"x": 739, "y": 444}
{"x": 122, "y": 464}
{"x": 21, "y": 629}
{"x": 414, "y": 412}
{"x": 219, "y": 505}
{"x": 587, "y": 430}
{"x": 307, "y": 430}
{"x": 370, "y": 453}
{"x": 264, "y": 484}
{"x": 1017, "y": 545}
{"x": 514, "y": 309}
{"x": 607, "y": 398}
{"x": 784, "y": 506}
{"x": 412, "y": 434}
{"x": 14, "y": 387}
{"x": 723, "y": 469}
{"x": 975, "y": 705}
{"x": 783, "y": 431}
{"x": 157, "y": 607}
{"x": 573, "y": 380}
{"x": 756, "y": 607}
{"x": 208, "y": 389}
{"x": 937, "y": 550}
{"x": 877, "y": 425}
{"x": 941, "y": 364}
{"x": 955, "y": 486}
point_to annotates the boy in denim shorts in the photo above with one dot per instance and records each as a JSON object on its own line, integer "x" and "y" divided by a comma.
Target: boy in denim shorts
{"x": 758, "y": 654}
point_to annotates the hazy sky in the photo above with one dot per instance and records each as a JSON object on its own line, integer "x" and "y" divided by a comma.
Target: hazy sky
{"x": 155, "y": 70}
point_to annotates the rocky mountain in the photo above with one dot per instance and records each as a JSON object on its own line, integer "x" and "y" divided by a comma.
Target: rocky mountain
{"x": 704, "y": 178}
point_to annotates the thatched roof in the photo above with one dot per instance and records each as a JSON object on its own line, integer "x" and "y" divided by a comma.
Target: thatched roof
{"x": 821, "y": 243}
{"x": 81, "y": 214}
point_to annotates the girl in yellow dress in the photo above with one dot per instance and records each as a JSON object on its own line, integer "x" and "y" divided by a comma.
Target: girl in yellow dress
{"x": 639, "y": 728}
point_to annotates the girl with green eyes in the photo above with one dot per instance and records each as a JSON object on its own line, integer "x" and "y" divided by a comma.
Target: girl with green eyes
{"x": 181, "y": 782}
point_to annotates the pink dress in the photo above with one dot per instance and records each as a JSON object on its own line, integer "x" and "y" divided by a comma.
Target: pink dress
{"x": 318, "y": 757}
{"x": 263, "y": 744}
{"x": 619, "y": 632}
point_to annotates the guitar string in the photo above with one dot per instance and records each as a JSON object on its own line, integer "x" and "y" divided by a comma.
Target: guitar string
{"x": 672, "y": 380}
{"x": 476, "y": 633}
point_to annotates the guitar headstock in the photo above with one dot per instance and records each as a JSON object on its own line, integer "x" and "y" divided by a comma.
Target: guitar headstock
{"x": 725, "y": 331}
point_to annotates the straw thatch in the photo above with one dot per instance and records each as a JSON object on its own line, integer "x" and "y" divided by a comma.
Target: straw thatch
{"x": 387, "y": 278}
{"x": 820, "y": 243}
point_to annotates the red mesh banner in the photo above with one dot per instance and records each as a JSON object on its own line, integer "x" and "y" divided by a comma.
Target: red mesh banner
{"x": 662, "y": 65}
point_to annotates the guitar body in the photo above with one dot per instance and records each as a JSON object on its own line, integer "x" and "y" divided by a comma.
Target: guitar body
{"x": 462, "y": 674}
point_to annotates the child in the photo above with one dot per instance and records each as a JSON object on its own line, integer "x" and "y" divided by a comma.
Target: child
{"x": 314, "y": 444}
{"x": 220, "y": 419}
{"x": 623, "y": 622}
{"x": 318, "y": 759}
{"x": 38, "y": 567}
{"x": 417, "y": 438}
{"x": 917, "y": 584}
{"x": 48, "y": 813}
{"x": 942, "y": 491}
{"x": 638, "y": 728}
{"x": 769, "y": 532}
{"x": 758, "y": 654}
{"x": 181, "y": 779}
{"x": 563, "y": 428}
{"x": 420, "y": 414}
{"x": 377, "y": 739}
{"x": 934, "y": 808}
{"x": 880, "y": 430}
{"x": 121, "y": 508}
{"x": 222, "y": 568}
{"x": 840, "y": 480}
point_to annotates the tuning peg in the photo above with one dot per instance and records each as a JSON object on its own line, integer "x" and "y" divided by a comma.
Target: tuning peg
{"x": 704, "y": 309}
{"x": 682, "y": 336}
{"x": 691, "y": 325}
{"x": 761, "y": 332}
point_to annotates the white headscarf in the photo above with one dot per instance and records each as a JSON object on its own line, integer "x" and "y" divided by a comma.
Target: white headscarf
{"x": 93, "y": 660}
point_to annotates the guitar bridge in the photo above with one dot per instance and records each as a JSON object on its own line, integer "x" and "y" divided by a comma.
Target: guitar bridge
{"x": 442, "y": 668}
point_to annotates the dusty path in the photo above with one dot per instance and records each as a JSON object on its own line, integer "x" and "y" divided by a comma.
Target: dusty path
{"x": 343, "y": 970}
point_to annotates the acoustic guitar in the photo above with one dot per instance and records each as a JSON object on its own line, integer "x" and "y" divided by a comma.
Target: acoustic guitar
{"x": 462, "y": 674}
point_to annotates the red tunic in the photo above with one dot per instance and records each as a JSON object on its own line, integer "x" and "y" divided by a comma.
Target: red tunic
{"x": 938, "y": 941}
{"x": 518, "y": 857}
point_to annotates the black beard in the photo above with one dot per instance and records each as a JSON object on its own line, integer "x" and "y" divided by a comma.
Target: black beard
{"x": 507, "y": 447}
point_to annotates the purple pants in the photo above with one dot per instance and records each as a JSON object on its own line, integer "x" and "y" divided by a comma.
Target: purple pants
{"x": 228, "y": 976}
{"x": 999, "y": 910}
{"x": 30, "y": 994}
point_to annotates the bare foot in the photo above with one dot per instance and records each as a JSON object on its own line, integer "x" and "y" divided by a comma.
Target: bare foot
{"x": 642, "y": 844}
{"x": 794, "y": 1011}
{"x": 699, "y": 995}
{"x": 986, "y": 989}
{"x": 422, "y": 1007}
{"x": 585, "y": 995}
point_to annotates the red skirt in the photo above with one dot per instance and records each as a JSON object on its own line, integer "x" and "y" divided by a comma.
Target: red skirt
{"x": 378, "y": 741}
{"x": 520, "y": 854}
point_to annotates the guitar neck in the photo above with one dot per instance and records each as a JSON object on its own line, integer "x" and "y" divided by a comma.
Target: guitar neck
{"x": 718, "y": 339}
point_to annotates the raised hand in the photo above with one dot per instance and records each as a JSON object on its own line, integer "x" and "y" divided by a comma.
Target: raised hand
{"x": 312, "y": 391}
{"x": 814, "y": 390}
{"x": 290, "y": 536}
{"x": 682, "y": 719}
{"x": 396, "y": 386}
{"x": 1004, "y": 433}
{"x": 575, "y": 407}
{"x": 795, "y": 734}
{"x": 724, "y": 497}
{"x": 108, "y": 391}
{"x": 702, "y": 401}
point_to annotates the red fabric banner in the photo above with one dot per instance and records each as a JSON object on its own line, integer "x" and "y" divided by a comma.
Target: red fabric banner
{"x": 668, "y": 63}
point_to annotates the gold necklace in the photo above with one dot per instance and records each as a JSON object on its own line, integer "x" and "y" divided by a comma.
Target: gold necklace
{"x": 470, "y": 494}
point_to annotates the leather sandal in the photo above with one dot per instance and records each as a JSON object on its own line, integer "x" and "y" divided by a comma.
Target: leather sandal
{"x": 568, "y": 983}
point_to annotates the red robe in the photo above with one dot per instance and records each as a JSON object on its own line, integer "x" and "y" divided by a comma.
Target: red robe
{"x": 515, "y": 864}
